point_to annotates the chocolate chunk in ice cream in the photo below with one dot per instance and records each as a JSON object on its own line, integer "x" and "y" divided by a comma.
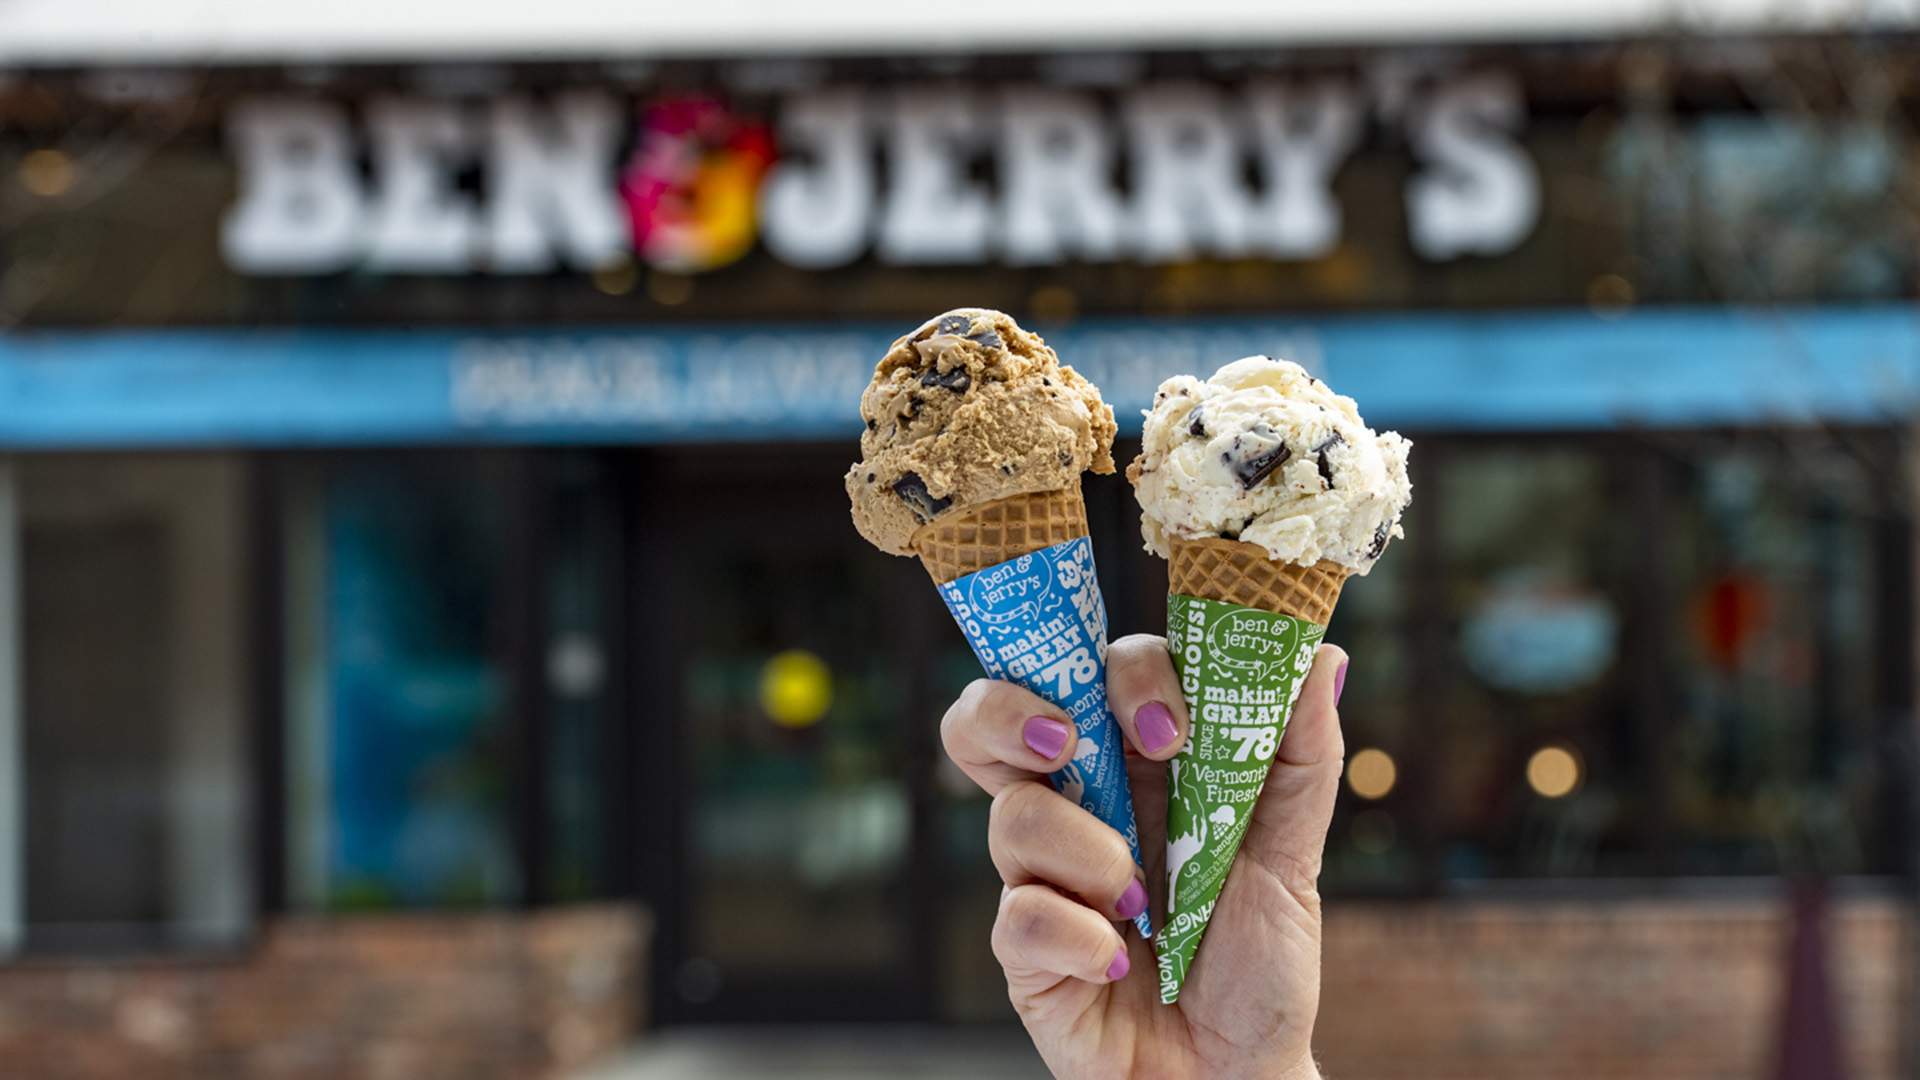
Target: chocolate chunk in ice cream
{"x": 1320, "y": 452}
{"x": 1258, "y": 460}
{"x": 1379, "y": 542}
{"x": 956, "y": 380}
{"x": 913, "y": 491}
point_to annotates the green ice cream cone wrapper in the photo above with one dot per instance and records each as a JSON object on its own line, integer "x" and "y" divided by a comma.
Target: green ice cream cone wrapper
{"x": 1241, "y": 670}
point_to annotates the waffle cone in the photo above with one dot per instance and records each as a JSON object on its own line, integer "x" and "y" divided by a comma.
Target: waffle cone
{"x": 972, "y": 538}
{"x": 1237, "y": 572}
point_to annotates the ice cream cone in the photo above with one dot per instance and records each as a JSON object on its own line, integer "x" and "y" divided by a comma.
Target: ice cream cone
{"x": 1018, "y": 575}
{"x": 964, "y": 540}
{"x": 1264, "y": 489}
{"x": 1234, "y": 572}
{"x": 976, "y": 440}
{"x": 1243, "y": 628}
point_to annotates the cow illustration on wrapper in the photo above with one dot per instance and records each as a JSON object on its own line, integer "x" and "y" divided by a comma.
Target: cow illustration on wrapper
{"x": 1181, "y": 848}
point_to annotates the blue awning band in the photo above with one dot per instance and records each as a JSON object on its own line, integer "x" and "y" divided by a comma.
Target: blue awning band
{"x": 1554, "y": 370}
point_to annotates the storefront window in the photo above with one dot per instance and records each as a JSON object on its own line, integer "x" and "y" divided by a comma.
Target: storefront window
{"x": 398, "y": 746}
{"x": 1759, "y": 207}
{"x": 1775, "y": 742}
{"x": 1543, "y": 769}
{"x": 127, "y": 731}
{"x": 1652, "y": 656}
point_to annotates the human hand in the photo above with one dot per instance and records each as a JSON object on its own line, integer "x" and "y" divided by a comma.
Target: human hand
{"x": 1082, "y": 981}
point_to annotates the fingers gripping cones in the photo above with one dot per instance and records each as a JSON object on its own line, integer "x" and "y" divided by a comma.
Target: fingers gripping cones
{"x": 1243, "y": 629}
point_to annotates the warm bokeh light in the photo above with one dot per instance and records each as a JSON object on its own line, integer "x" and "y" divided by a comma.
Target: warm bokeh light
{"x": 46, "y": 173}
{"x": 669, "y": 289}
{"x": 1610, "y": 296}
{"x": 796, "y": 687}
{"x": 1553, "y": 771}
{"x": 1371, "y": 773}
{"x": 616, "y": 279}
{"x": 1053, "y": 303}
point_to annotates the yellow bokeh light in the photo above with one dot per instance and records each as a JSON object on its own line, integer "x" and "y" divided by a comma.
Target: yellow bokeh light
{"x": 796, "y": 688}
{"x": 616, "y": 278}
{"x": 1371, "y": 773}
{"x": 1053, "y": 303}
{"x": 669, "y": 289}
{"x": 1553, "y": 771}
{"x": 46, "y": 173}
{"x": 1610, "y": 296}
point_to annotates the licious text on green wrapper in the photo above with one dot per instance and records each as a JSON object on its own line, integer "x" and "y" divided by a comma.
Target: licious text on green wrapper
{"x": 1240, "y": 670}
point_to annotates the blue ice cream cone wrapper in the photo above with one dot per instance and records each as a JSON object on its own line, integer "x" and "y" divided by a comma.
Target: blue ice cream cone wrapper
{"x": 1039, "y": 621}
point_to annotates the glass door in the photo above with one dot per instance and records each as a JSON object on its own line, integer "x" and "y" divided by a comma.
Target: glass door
{"x": 801, "y": 746}
{"x": 133, "y": 579}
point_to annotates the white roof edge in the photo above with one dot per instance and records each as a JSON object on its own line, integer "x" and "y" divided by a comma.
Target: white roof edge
{"x": 47, "y": 32}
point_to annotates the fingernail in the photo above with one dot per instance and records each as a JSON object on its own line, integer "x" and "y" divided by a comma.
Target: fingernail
{"x": 1154, "y": 722}
{"x": 1118, "y": 969}
{"x": 1339, "y": 682}
{"x": 1045, "y": 736}
{"x": 1132, "y": 902}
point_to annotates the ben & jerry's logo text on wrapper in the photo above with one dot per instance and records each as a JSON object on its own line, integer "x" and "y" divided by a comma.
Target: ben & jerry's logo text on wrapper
{"x": 1039, "y": 621}
{"x": 1241, "y": 669}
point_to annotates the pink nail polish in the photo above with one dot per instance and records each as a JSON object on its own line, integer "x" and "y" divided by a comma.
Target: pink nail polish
{"x": 1132, "y": 902}
{"x": 1045, "y": 736}
{"x": 1339, "y": 682}
{"x": 1118, "y": 969}
{"x": 1154, "y": 722}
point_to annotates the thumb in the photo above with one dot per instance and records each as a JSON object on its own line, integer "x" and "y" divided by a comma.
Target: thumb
{"x": 1288, "y": 833}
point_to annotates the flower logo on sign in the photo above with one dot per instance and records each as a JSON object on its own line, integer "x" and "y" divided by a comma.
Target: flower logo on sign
{"x": 692, "y": 184}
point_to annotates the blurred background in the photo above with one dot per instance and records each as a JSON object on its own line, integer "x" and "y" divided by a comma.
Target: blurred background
{"x": 432, "y": 641}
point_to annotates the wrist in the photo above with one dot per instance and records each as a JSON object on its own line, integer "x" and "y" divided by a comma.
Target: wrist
{"x": 1304, "y": 1069}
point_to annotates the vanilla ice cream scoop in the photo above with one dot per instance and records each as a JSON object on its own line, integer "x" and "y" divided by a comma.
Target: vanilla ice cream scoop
{"x": 1267, "y": 454}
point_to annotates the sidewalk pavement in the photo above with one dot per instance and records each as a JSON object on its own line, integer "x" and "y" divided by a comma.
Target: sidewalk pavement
{"x": 852, "y": 1052}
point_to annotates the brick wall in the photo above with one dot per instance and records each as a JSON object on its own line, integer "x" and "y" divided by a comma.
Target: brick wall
{"x": 401, "y": 996}
{"x": 1684, "y": 989}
